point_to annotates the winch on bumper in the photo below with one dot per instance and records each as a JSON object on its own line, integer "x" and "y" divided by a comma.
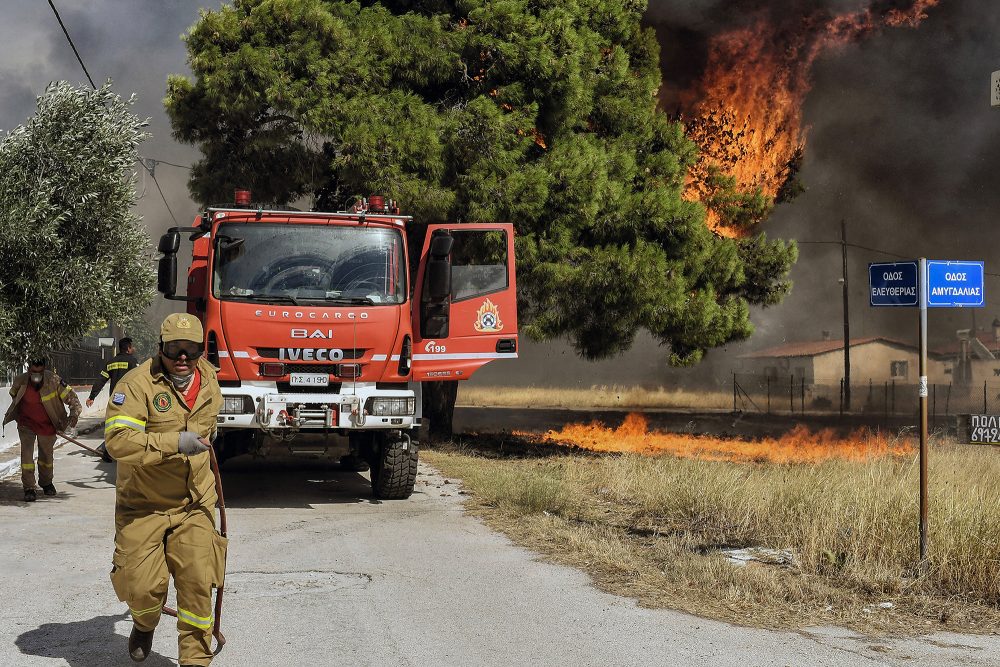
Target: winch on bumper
{"x": 354, "y": 407}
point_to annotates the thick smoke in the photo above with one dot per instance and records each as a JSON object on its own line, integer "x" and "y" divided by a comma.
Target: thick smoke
{"x": 901, "y": 143}
{"x": 136, "y": 44}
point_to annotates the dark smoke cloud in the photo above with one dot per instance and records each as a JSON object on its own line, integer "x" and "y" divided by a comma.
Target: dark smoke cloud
{"x": 904, "y": 146}
{"x": 714, "y": 15}
{"x": 136, "y": 44}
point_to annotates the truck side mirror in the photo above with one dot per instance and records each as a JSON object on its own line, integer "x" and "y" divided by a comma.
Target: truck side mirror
{"x": 439, "y": 279}
{"x": 439, "y": 266}
{"x": 436, "y": 307}
{"x": 170, "y": 243}
{"x": 441, "y": 244}
{"x": 166, "y": 273}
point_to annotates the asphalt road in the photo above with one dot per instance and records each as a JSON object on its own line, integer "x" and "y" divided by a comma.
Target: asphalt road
{"x": 319, "y": 574}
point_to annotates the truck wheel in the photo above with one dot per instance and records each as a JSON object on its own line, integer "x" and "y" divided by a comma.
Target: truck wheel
{"x": 395, "y": 470}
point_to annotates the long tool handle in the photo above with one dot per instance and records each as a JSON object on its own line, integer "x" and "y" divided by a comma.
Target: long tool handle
{"x": 216, "y": 631}
{"x": 80, "y": 444}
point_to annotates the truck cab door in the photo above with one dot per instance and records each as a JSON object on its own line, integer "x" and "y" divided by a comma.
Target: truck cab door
{"x": 465, "y": 302}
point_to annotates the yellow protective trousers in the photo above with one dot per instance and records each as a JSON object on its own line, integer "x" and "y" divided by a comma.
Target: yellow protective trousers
{"x": 45, "y": 458}
{"x": 149, "y": 548}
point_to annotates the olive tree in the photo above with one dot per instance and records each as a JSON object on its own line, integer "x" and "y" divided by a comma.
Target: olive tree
{"x": 73, "y": 251}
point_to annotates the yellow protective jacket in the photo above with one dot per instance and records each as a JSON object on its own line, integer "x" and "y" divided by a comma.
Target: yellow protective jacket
{"x": 143, "y": 424}
{"x": 56, "y": 395}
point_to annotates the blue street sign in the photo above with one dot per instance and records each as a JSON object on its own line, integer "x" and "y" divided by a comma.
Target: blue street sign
{"x": 893, "y": 284}
{"x": 955, "y": 284}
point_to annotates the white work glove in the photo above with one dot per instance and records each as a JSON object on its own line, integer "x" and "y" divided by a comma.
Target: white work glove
{"x": 70, "y": 431}
{"x": 191, "y": 443}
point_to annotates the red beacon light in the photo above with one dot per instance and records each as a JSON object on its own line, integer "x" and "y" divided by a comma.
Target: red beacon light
{"x": 376, "y": 204}
{"x": 242, "y": 197}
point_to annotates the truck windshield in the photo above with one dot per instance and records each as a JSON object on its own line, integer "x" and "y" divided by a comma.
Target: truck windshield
{"x": 286, "y": 263}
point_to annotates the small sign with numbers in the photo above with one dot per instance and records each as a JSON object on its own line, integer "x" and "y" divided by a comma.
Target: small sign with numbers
{"x": 984, "y": 429}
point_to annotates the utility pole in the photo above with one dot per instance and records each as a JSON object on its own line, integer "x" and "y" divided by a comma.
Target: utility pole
{"x": 847, "y": 320}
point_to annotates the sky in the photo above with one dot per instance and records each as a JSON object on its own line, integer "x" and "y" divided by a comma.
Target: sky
{"x": 902, "y": 144}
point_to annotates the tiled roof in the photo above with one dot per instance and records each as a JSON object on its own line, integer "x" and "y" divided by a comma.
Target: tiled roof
{"x": 816, "y": 347}
{"x": 952, "y": 348}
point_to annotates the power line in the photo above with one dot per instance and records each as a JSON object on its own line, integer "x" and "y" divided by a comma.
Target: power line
{"x": 72, "y": 45}
{"x": 142, "y": 160}
{"x": 152, "y": 175}
{"x": 156, "y": 161}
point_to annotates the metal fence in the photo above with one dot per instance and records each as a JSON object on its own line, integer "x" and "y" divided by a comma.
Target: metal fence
{"x": 77, "y": 365}
{"x": 790, "y": 395}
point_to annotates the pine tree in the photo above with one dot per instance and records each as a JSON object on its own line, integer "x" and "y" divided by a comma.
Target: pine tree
{"x": 538, "y": 112}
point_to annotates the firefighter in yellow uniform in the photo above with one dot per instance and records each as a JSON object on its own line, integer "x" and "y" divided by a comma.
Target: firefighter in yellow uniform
{"x": 159, "y": 422}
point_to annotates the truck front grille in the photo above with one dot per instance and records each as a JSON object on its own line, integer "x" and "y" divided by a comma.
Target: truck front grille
{"x": 274, "y": 353}
{"x": 329, "y": 369}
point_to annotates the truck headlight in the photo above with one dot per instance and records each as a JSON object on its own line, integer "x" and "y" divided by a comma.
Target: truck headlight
{"x": 236, "y": 405}
{"x": 386, "y": 407}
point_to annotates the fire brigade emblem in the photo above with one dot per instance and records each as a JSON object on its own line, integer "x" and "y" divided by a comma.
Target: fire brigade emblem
{"x": 488, "y": 318}
{"x": 162, "y": 401}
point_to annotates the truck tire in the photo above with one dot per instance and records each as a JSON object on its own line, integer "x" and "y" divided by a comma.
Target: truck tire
{"x": 395, "y": 470}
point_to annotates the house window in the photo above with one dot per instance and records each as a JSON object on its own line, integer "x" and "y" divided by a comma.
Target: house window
{"x": 898, "y": 370}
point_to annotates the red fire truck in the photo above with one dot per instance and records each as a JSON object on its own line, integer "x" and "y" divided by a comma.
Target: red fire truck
{"x": 327, "y": 324}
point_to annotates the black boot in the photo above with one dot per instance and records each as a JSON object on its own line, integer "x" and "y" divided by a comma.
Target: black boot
{"x": 49, "y": 489}
{"x": 29, "y": 495}
{"x": 140, "y": 643}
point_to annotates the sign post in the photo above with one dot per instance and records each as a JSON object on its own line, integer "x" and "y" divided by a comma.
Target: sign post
{"x": 926, "y": 284}
{"x": 922, "y": 394}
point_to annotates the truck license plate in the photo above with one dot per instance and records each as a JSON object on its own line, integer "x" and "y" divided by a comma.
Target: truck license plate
{"x": 310, "y": 380}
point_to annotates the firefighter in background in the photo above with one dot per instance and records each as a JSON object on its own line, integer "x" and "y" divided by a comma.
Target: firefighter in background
{"x": 159, "y": 424}
{"x": 39, "y": 405}
{"x": 119, "y": 365}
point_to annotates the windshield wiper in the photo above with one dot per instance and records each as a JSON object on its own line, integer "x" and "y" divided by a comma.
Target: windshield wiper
{"x": 353, "y": 301}
{"x": 276, "y": 298}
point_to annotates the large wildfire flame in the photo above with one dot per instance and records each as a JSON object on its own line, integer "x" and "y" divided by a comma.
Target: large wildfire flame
{"x": 745, "y": 113}
{"x": 798, "y": 446}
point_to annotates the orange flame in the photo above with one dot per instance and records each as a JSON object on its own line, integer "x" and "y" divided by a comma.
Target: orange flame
{"x": 745, "y": 114}
{"x": 798, "y": 446}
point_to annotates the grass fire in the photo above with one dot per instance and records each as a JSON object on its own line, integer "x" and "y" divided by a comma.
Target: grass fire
{"x": 656, "y": 519}
{"x": 798, "y": 446}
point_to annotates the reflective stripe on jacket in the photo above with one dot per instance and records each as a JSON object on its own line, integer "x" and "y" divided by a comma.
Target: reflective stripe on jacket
{"x": 142, "y": 433}
{"x": 116, "y": 369}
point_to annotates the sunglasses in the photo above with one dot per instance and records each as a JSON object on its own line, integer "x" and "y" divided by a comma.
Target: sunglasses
{"x": 175, "y": 349}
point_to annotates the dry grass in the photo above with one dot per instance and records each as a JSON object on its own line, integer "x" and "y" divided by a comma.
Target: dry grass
{"x": 649, "y": 528}
{"x": 597, "y": 396}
